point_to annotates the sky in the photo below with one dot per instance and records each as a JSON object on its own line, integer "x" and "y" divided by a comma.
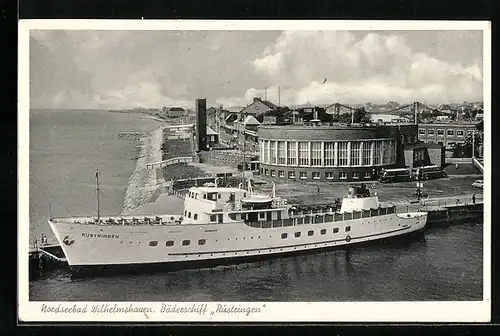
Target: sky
{"x": 127, "y": 69}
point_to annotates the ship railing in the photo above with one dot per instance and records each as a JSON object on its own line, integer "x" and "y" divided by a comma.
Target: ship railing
{"x": 130, "y": 220}
{"x": 322, "y": 217}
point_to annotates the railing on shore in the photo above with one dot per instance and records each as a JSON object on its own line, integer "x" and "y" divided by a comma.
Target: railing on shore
{"x": 169, "y": 162}
{"x": 478, "y": 164}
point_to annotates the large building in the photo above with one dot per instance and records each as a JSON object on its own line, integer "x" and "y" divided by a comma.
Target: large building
{"x": 446, "y": 134}
{"x": 334, "y": 152}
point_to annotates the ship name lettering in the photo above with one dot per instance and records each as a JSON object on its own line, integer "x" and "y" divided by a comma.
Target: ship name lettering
{"x": 99, "y": 235}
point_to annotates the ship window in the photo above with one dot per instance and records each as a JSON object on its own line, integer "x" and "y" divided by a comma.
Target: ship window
{"x": 185, "y": 212}
{"x": 189, "y": 214}
{"x": 335, "y": 230}
{"x": 218, "y": 196}
{"x": 347, "y": 228}
{"x": 169, "y": 243}
{"x": 186, "y": 242}
{"x": 323, "y": 231}
{"x": 196, "y": 196}
{"x": 202, "y": 242}
{"x": 213, "y": 218}
{"x": 310, "y": 233}
{"x": 262, "y": 215}
{"x": 297, "y": 234}
{"x": 195, "y": 216}
{"x": 284, "y": 235}
{"x": 153, "y": 243}
{"x": 204, "y": 196}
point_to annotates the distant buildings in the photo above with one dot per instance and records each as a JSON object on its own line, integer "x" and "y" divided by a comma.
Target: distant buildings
{"x": 173, "y": 112}
{"x": 446, "y": 134}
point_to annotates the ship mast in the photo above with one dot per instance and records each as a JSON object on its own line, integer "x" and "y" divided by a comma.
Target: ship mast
{"x": 97, "y": 191}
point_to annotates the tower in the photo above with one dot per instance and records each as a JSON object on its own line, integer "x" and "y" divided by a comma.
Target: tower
{"x": 201, "y": 124}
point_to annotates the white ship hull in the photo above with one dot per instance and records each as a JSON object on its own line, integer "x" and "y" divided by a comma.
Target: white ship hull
{"x": 106, "y": 249}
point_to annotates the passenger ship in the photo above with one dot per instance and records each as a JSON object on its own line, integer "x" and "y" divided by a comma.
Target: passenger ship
{"x": 222, "y": 225}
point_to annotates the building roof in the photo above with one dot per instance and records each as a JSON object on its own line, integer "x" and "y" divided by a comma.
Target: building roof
{"x": 232, "y": 117}
{"x": 210, "y": 131}
{"x": 179, "y": 109}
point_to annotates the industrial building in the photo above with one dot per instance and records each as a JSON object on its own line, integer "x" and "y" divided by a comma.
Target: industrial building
{"x": 446, "y": 134}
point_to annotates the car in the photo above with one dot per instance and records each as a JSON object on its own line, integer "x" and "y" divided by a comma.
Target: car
{"x": 478, "y": 184}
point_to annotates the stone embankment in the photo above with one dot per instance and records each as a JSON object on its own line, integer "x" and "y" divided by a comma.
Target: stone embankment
{"x": 142, "y": 183}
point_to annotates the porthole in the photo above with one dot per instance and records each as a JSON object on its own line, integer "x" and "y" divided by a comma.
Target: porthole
{"x": 169, "y": 243}
{"x": 323, "y": 231}
{"x": 202, "y": 241}
{"x": 310, "y": 233}
{"x": 186, "y": 242}
{"x": 195, "y": 216}
{"x": 335, "y": 230}
{"x": 153, "y": 243}
{"x": 284, "y": 235}
{"x": 297, "y": 234}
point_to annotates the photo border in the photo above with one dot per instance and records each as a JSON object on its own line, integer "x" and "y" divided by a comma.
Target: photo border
{"x": 451, "y": 311}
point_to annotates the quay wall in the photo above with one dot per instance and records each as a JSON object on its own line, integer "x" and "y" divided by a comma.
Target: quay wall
{"x": 143, "y": 183}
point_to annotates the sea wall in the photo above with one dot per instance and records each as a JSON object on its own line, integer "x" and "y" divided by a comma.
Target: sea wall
{"x": 143, "y": 183}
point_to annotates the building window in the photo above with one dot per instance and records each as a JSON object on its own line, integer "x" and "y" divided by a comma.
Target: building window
{"x": 469, "y": 132}
{"x": 153, "y": 243}
{"x": 450, "y": 132}
{"x": 329, "y": 153}
{"x": 262, "y": 215}
{"x": 202, "y": 241}
{"x": 460, "y": 133}
{"x": 315, "y": 153}
{"x": 347, "y": 228}
{"x": 355, "y": 175}
{"x": 303, "y": 154}
{"x": 297, "y": 234}
{"x": 213, "y": 218}
{"x": 195, "y": 216}
{"x": 367, "y": 153}
{"x": 310, "y": 233}
{"x": 186, "y": 242}
{"x": 266, "y": 172}
{"x": 376, "y": 153}
{"x": 292, "y": 153}
{"x": 291, "y": 174}
{"x": 272, "y": 151}
{"x": 273, "y": 173}
{"x": 440, "y": 132}
{"x": 368, "y": 175}
{"x": 329, "y": 175}
{"x": 281, "y": 173}
{"x": 343, "y": 175}
{"x": 315, "y": 175}
{"x": 281, "y": 152}
{"x": 421, "y": 131}
{"x": 265, "y": 151}
{"x": 342, "y": 153}
{"x": 189, "y": 214}
{"x": 284, "y": 235}
{"x": 386, "y": 152}
{"x": 355, "y": 152}
{"x": 303, "y": 175}
{"x": 169, "y": 243}
{"x": 430, "y": 131}
{"x": 335, "y": 230}
{"x": 323, "y": 231}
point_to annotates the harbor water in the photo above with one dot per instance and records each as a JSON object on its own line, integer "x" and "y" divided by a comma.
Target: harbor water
{"x": 67, "y": 147}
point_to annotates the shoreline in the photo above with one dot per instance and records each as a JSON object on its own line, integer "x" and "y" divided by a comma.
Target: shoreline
{"x": 142, "y": 183}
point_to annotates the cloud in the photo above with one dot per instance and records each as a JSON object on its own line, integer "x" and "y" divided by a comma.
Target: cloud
{"x": 373, "y": 68}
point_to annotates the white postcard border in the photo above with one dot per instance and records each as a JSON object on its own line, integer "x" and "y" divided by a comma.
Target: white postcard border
{"x": 464, "y": 311}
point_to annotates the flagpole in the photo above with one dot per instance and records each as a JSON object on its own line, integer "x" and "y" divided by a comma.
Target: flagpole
{"x": 97, "y": 190}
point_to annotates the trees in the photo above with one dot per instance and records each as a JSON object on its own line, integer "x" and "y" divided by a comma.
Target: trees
{"x": 465, "y": 150}
{"x": 360, "y": 116}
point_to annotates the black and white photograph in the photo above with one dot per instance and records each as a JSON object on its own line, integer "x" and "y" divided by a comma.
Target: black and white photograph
{"x": 254, "y": 171}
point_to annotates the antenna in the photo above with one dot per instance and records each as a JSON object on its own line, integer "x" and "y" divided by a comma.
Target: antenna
{"x": 97, "y": 190}
{"x": 279, "y": 95}
{"x": 50, "y": 212}
{"x": 265, "y": 93}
